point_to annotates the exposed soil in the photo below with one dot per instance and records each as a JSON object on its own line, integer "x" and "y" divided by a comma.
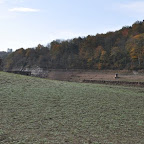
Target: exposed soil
{"x": 125, "y": 77}
{"x": 108, "y": 77}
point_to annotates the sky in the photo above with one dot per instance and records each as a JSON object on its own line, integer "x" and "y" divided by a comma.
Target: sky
{"x": 27, "y": 23}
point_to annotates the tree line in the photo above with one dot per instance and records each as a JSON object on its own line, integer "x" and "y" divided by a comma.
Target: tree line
{"x": 122, "y": 49}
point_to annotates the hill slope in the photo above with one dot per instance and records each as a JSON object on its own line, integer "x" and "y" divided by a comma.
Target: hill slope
{"x": 122, "y": 49}
{"x": 40, "y": 111}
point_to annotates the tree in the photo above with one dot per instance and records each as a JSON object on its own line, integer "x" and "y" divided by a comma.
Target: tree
{"x": 0, "y": 64}
{"x": 135, "y": 47}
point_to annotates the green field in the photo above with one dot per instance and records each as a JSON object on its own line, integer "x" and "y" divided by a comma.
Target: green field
{"x": 41, "y": 111}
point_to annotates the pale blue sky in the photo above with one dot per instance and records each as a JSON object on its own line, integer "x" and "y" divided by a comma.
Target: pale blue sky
{"x": 26, "y": 23}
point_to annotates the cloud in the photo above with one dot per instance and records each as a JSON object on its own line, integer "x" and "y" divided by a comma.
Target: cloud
{"x": 137, "y": 7}
{"x": 22, "y": 9}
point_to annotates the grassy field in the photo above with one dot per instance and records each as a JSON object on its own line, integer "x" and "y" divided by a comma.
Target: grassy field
{"x": 41, "y": 111}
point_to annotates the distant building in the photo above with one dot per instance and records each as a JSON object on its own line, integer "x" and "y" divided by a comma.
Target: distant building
{"x": 9, "y": 50}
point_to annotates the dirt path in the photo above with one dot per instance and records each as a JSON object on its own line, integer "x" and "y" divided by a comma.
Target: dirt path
{"x": 125, "y": 77}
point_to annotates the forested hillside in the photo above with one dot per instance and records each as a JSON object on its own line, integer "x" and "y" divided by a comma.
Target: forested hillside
{"x": 3, "y": 54}
{"x": 122, "y": 49}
